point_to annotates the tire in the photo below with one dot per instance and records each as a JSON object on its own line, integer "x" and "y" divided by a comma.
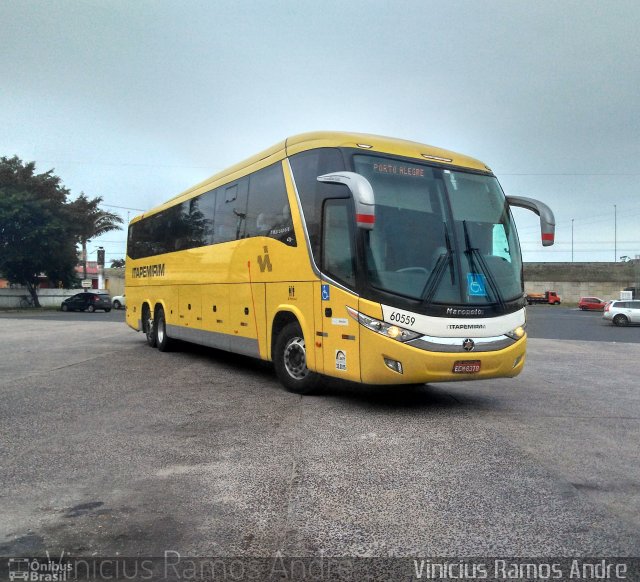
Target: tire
{"x": 116, "y": 304}
{"x": 91, "y": 309}
{"x": 64, "y": 307}
{"x": 290, "y": 361}
{"x": 148, "y": 327}
{"x": 107, "y": 310}
{"x": 620, "y": 320}
{"x": 163, "y": 341}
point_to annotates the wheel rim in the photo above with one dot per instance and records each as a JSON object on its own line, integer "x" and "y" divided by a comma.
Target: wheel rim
{"x": 160, "y": 330}
{"x": 295, "y": 358}
{"x": 147, "y": 325}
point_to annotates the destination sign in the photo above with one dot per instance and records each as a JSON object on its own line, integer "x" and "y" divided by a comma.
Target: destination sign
{"x": 398, "y": 169}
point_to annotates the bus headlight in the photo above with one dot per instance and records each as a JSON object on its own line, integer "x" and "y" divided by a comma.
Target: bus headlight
{"x": 517, "y": 333}
{"x": 392, "y": 331}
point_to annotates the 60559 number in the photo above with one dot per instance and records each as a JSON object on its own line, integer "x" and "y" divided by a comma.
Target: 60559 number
{"x": 402, "y": 318}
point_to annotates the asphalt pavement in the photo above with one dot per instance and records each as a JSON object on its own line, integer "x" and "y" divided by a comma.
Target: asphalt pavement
{"x": 111, "y": 447}
{"x": 570, "y": 323}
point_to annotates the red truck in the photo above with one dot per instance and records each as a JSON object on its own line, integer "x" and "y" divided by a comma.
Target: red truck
{"x": 550, "y": 297}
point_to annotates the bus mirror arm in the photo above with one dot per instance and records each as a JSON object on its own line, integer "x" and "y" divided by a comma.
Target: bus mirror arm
{"x": 362, "y": 193}
{"x": 547, "y": 220}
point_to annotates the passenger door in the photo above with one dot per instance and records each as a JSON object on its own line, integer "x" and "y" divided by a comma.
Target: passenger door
{"x": 341, "y": 334}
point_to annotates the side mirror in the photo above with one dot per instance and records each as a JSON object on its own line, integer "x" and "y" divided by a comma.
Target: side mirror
{"x": 362, "y": 193}
{"x": 547, "y": 220}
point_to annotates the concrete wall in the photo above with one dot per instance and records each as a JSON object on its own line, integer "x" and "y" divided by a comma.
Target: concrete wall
{"x": 114, "y": 281}
{"x": 574, "y": 280}
{"x": 10, "y": 298}
{"x": 571, "y": 291}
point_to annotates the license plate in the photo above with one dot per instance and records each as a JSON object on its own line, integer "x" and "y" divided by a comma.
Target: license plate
{"x": 466, "y": 367}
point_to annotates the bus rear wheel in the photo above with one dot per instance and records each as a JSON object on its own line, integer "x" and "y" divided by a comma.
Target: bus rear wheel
{"x": 290, "y": 361}
{"x": 147, "y": 326}
{"x": 163, "y": 341}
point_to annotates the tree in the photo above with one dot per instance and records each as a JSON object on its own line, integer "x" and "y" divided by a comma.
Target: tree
{"x": 91, "y": 221}
{"x": 117, "y": 264}
{"x": 34, "y": 226}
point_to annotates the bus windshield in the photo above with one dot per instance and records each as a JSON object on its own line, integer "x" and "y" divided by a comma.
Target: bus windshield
{"x": 440, "y": 236}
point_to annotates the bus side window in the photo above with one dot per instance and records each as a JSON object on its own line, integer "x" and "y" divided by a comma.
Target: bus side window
{"x": 195, "y": 223}
{"x": 231, "y": 211}
{"x": 306, "y": 167}
{"x": 337, "y": 242}
{"x": 268, "y": 212}
{"x": 207, "y": 206}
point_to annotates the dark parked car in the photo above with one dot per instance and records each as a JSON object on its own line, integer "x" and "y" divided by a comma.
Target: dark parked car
{"x": 87, "y": 301}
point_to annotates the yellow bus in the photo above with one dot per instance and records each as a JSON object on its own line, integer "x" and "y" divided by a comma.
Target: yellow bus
{"x": 366, "y": 258}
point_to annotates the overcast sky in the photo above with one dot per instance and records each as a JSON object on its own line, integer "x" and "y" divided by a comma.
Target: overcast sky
{"x": 137, "y": 100}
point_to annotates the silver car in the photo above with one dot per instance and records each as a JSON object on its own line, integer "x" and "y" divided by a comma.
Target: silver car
{"x": 622, "y": 312}
{"x": 119, "y": 301}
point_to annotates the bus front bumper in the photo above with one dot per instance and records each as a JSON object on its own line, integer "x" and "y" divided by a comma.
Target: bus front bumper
{"x": 379, "y": 357}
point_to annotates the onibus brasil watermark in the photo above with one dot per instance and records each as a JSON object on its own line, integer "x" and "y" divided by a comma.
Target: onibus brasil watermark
{"x": 174, "y": 566}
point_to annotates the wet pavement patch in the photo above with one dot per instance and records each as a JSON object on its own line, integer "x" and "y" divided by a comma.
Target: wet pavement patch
{"x": 27, "y": 545}
{"x": 84, "y": 509}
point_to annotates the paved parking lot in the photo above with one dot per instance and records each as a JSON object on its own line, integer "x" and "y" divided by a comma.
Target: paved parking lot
{"x": 111, "y": 447}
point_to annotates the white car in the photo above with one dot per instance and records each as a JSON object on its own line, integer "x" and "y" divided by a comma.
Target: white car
{"x": 119, "y": 302}
{"x": 622, "y": 312}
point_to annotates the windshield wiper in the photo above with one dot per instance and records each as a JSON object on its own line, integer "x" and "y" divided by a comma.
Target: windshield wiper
{"x": 444, "y": 259}
{"x": 475, "y": 252}
{"x": 449, "y": 253}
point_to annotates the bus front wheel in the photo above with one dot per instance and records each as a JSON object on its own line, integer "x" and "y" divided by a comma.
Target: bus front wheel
{"x": 290, "y": 361}
{"x": 163, "y": 341}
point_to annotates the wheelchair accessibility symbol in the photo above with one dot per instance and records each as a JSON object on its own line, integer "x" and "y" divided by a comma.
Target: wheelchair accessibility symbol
{"x": 325, "y": 292}
{"x": 476, "y": 285}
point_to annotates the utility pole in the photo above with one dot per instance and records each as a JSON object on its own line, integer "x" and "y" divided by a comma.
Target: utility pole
{"x": 572, "y": 240}
{"x": 101, "y": 267}
{"x": 615, "y": 234}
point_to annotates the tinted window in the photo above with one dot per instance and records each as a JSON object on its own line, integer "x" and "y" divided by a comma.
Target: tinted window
{"x": 231, "y": 211}
{"x": 634, "y": 304}
{"x": 307, "y": 166}
{"x": 218, "y": 216}
{"x": 338, "y": 256}
{"x": 186, "y": 228}
{"x": 205, "y": 207}
{"x": 268, "y": 211}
